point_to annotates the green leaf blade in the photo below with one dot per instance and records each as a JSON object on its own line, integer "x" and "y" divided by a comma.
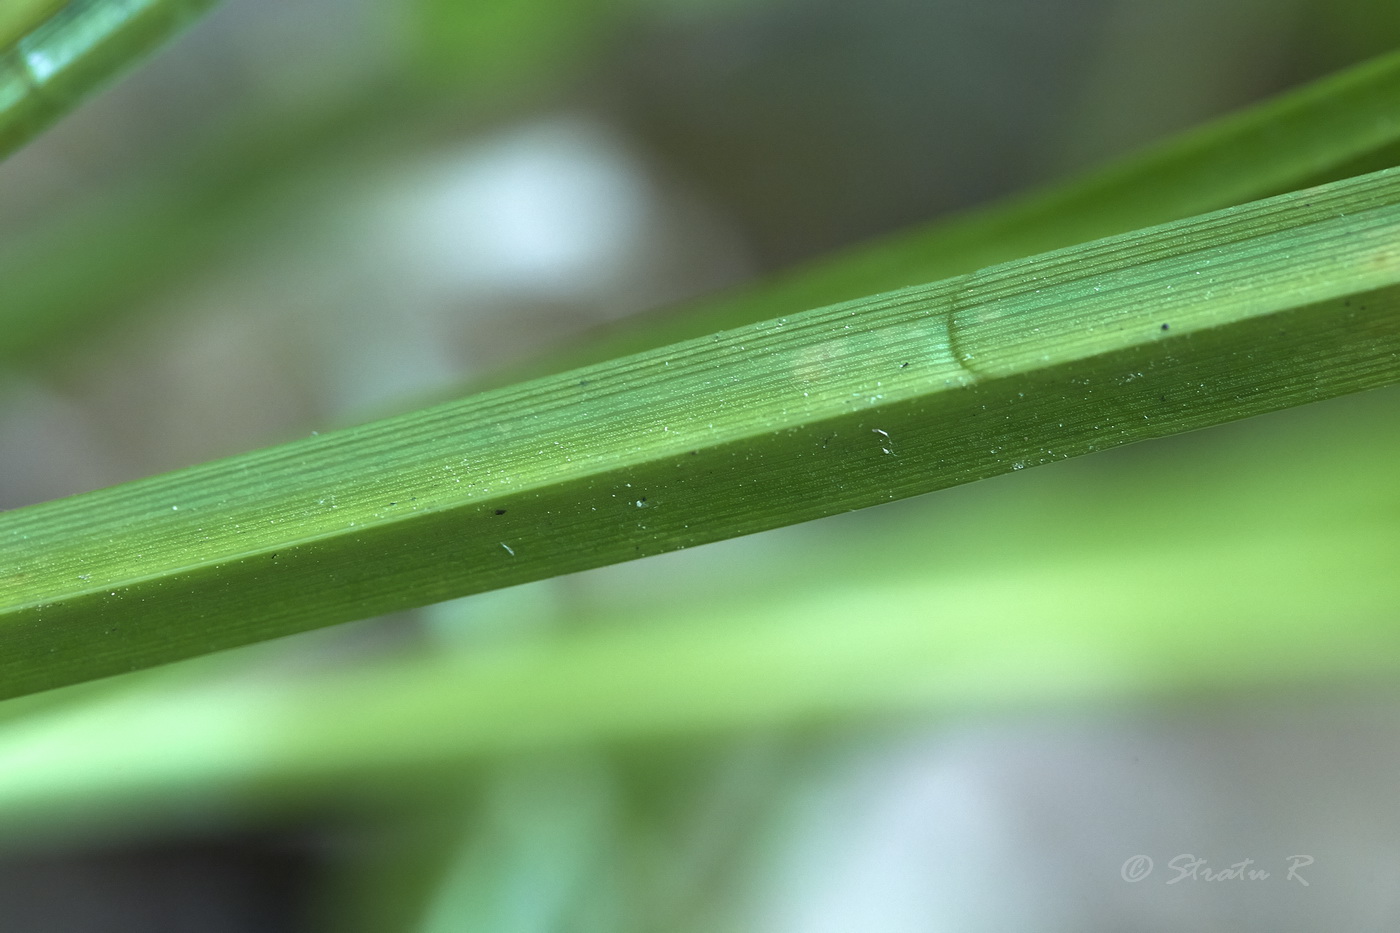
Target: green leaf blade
{"x": 1272, "y": 304}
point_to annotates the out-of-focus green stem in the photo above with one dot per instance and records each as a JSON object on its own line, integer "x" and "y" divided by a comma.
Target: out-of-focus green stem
{"x": 86, "y": 274}
{"x": 1310, "y": 135}
{"x": 52, "y": 68}
{"x": 18, "y": 17}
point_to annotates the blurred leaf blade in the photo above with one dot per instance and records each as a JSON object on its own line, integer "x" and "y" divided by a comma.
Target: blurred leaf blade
{"x": 1218, "y": 317}
{"x": 59, "y": 295}
{"x": 84, "y": 276}
{"x": 19, "y": 17}
{"x": 68, "y": 56}
{"x": 830, "y": 655}
{"x": 1294, "y": 139}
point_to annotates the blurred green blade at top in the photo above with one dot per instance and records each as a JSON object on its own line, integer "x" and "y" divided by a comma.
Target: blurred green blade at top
{"x": 51, "y": 68}
{"x": 18, "y": 17}
{"x": 1309, "y": 135}
{"x": 57, "y": 298}
{"x": 1215, "y": 318}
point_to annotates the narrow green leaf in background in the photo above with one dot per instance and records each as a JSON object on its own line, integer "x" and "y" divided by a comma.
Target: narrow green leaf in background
{"x": 1230, "y": 314}
{"x": 18, "y": 17}
{"x": 63, "y": 59}
{"x": 72, "y": 285}
{"x": 1298, "y": 138}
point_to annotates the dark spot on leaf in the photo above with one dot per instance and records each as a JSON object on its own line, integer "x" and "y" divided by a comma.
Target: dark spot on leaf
{"x": 1166, "y": 327}
{"x": 500, "y": 511}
